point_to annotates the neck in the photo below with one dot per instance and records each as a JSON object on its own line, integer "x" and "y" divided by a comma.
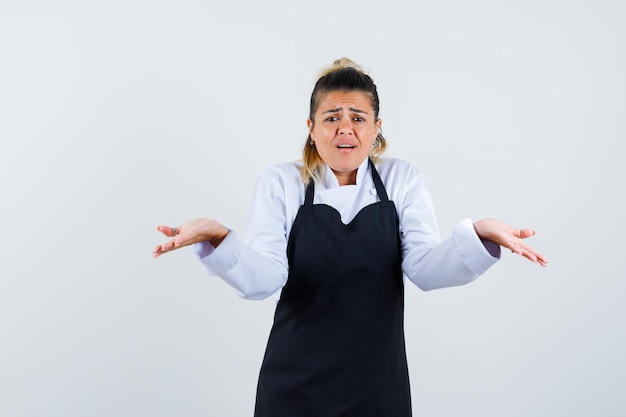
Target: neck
{"x": 346, "y": 178}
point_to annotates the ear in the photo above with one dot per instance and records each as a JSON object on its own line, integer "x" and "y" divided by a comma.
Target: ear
{"x": 309, "y": 124}
{"x": 379, "y": 124}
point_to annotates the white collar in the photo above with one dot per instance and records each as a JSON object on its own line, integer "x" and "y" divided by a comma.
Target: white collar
{"x": 330, "y": 179}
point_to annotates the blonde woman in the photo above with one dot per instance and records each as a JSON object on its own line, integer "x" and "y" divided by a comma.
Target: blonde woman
{"x": 336, "y": 233}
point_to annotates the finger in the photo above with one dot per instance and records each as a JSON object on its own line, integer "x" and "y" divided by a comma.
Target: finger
{"x": 164, "y": 248}
{"x": 524, "y": 233}
{"x": 530, "y": 256}
{"x": 522, "y": 250}
{"x": 517, "y": 248}
{"x": 541, "y": 259}
{"x": 535, "y": 257}
{"x": 168, "y": 231}
{"x": 160, "y": 250}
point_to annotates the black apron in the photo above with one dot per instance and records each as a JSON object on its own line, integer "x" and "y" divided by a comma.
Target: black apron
{"x": 337, "y": 344}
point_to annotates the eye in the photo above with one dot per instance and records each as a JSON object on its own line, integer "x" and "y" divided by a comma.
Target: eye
{"x": 332, "y": 119}
{"x": 358, "y": 119}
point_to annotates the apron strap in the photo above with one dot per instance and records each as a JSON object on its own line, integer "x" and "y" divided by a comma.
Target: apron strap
{"x": 380, "y": 189}
{"x": 310, "y": 191}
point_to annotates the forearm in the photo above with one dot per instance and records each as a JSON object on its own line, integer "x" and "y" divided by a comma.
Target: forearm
{"x": 458, "y": 260}
{"x": 253, "y": 274}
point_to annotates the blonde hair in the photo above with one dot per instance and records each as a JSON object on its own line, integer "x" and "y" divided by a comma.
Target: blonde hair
{"x": 347, "y": 76}
{"x": 339, "y": 64}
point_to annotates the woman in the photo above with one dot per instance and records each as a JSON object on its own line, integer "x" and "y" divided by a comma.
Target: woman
{"x": 336, "y": 233}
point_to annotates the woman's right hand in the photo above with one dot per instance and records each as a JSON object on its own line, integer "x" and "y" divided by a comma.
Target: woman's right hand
{"x": 192, "y": 232}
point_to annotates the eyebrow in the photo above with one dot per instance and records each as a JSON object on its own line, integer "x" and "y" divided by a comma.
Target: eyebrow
{"x": 338, "y": 109}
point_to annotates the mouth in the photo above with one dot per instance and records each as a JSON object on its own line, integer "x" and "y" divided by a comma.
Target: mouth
{"x": 346, "y": 146}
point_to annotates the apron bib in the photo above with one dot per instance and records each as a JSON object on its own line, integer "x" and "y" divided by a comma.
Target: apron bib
{"x": 337, "y": 347}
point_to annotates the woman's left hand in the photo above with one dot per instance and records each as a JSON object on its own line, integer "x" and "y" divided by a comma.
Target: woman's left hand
{"x": 509, "y": 237}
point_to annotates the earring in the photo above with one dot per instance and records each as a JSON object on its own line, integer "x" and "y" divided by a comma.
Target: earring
{"x": 378, "y": 141}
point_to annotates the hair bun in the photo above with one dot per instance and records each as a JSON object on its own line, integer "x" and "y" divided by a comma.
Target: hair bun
{"x": 340, "y": 64}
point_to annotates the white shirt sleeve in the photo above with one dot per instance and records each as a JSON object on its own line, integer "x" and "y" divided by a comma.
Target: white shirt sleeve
{"x": 256, "y": 266}
{"x": 428, "y": 262}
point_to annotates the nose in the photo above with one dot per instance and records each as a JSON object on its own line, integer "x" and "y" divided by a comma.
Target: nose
{"x": 345, "y": 127}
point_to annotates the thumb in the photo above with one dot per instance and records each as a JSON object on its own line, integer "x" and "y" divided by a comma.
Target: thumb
{"x": 168, "y": 231}
{"x": 524, "y": 233}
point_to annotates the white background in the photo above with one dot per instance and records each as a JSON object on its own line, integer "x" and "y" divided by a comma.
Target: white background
{"x": 118, "y": 116}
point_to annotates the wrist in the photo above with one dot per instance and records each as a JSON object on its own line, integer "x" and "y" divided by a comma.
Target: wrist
{"x": 218, "y": 236}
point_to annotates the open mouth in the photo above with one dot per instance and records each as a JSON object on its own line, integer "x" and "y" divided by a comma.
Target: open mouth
{"x": 346, "y": 146}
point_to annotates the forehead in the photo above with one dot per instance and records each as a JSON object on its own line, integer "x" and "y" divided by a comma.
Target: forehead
{"x": 341, "y": 99}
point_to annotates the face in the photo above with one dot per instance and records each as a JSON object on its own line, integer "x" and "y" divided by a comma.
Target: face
{"x": 344, "y": 132}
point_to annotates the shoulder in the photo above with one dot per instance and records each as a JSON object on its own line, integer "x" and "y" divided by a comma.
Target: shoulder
{"x": 396, "y": 169}
{"x": 285, "y": 171}
{"x": 405, "y": 184}
{"x": 283, "y": 176}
